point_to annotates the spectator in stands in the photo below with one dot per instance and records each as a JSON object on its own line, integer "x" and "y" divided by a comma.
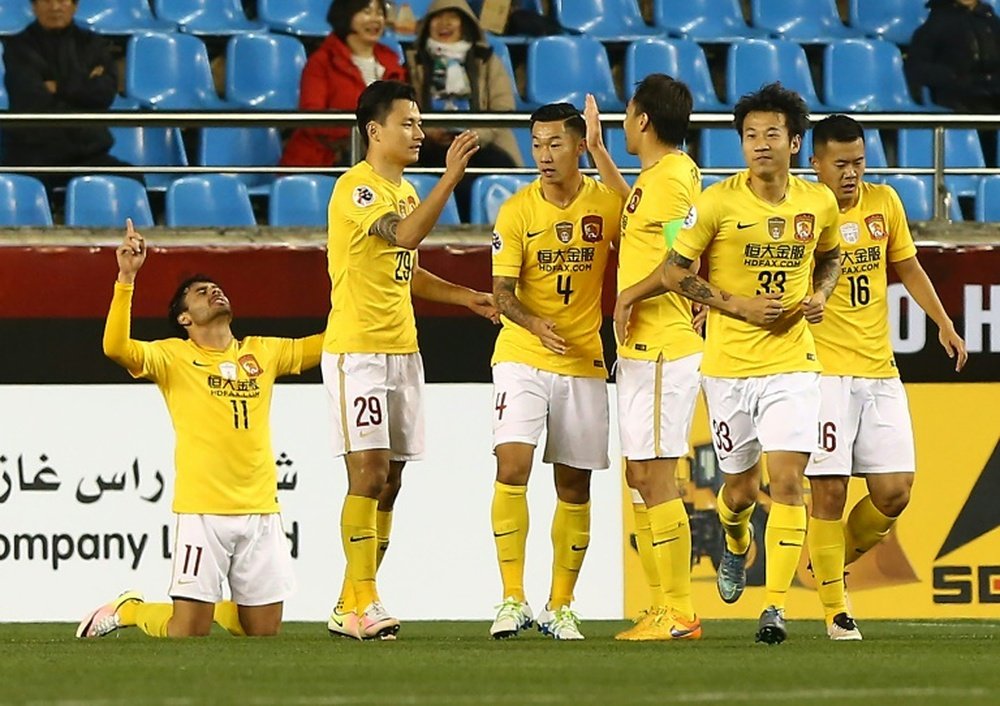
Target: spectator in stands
{"x": 453, "y": 68}
{"x": 956, "y": 53}
{"x": 53, "y": 66}
{"x": 346, "y": 62}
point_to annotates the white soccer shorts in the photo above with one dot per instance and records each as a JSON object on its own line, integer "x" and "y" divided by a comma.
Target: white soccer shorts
{"x": 864, "y": 427}
{"x": 376, "y": 402}
{"x": 656, "y": 400}
{"x": 251, "y": 552}
{"x": 574, "y": 409}
{"x": 768, "y": 413}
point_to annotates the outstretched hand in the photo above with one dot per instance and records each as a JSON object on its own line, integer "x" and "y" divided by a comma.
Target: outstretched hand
{"x": 481, "y": 303}
{"x": 592, "y": 116}
{"x": 462, "y": 148}
{"x": 130, "y": 254}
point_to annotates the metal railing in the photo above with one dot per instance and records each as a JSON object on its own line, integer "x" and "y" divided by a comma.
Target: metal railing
{"x": 937, "y": 122}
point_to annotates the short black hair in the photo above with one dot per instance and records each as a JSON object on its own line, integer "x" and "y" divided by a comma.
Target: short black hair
{"x": 177, "y": 305}
{"x": 376, "y": 102}
{"x": 668, "y": 103}
{"x": 341, "y": 13}
{"x": 836, "y": 128}
{"x": 560, "y": 112}
{"x": 774, "y": 98}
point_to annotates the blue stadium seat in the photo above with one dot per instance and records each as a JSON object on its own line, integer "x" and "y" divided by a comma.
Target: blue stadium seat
{"x": 755, "y": 62}
{"x": 149, "y": 147}
{"x": 614, "y": 140}
{"x": 15, "y": 16}
{"x": 720, "y": 147}
{"x": 209, "y": 200}
{"x": 892, "y": 20}
{"x": 961, "y": 149}
{"x": 708, "y": 179}
{"x": 170, "y": 71}
{"x": 707, "y": 21}
{"x": 988, "y": 200}
{"x": 23, "y": 201}
{"x": 119, "y": 17}
{"x": 489, "y": 193}
{"x": 4, "y": 98}
{"x": 684, "y": 59}
{"x": 874, "y": 150}
{"x": 607, "y": 20}
{"x": 862, "y": 75}
{"x": 503, "y": 53}
{"x": 300, "y": 200}
{"x": 106, "y": 201}
{"x": 263, "y": 71}
{"x": 304, "y": 18}
{"x": 917, "y": 195}
{"x": 567, "y": 68}
{"x": 242, "y": 147}
{"x": 207, "y": 17}
{"x": 423, "y": 183}
{"x": 806, "y": 21}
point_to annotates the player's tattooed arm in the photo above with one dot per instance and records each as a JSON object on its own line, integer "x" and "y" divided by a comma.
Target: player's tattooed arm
{"x": 827, "y": 271}
{"x": 506, "y": 301}
{"x": 386, "y": 227}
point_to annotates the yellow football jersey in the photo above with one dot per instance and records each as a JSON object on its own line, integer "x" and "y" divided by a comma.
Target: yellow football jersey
{"x": 372, "y": 310}
{"x": 558, "y": 256}
{"x": 660, "y": 199}
{"x": 853, "y": 338}
{"x": 755, "y": 247}
{"x": 219, "y": 403}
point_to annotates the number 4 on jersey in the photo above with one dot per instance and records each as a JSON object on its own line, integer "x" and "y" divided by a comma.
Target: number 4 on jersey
{"x": 564, "y": 287}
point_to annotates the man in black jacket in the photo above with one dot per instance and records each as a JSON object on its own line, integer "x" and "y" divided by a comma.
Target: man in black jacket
{"x": 956, "y": 53}
{"x": 53, "y": 66}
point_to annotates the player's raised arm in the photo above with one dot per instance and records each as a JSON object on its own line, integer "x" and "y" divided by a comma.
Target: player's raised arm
{"x": 920, "y": 287}
{"x": 118, "y": 345}
{"x": 595, "y": 145}
{"x": 429, "y": 286}
{"x": 510, "y": 306}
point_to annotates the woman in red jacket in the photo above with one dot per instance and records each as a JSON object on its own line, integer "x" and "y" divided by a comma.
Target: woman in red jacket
{"x": 336, "y": 74}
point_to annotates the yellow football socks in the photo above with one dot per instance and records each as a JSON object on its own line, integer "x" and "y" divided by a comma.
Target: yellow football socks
{"x": 151, "y": 618}
{"x": 570, "y": 539}
{"x": 644, "y": 545}
{"x": 358, "y": 534}
{"x": 783, "y": 539}
{"x": 671, "y": 540}
{"x": 826, "y": 552}
{"x": 736, "y": 525}
{"x": 383, "y": 527}
{"x": 227, "y": 615}
{"x": 509, "y": 516}
{"x": 865, "y": 528}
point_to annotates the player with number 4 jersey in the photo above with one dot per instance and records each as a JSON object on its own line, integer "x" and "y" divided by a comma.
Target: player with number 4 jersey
{"x": 550, "y": 249}
{"x": 864, "y": 425}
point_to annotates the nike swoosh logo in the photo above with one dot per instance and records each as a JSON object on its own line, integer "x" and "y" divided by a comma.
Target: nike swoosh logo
{"x": 783, "y": 543}
{"x": 579, "y": 549}
{"x": 201, "y": 365}
{"x": 360, "y": 539}
{"x": 665, "y": 541}
{"x": 832, "y": 581}
{"x": 335, "y": 619}
{"x": 529, "y": 234}
{"x": 504, "y": 534}
{"x": 741, "y": 226}
{"x": 183, "y": 582}
{"x": 675, "y": 633}
{"x": 366, "y": 432}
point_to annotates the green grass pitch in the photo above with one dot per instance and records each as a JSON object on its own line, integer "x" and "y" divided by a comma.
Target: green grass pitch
{"x": 455, "y": 663}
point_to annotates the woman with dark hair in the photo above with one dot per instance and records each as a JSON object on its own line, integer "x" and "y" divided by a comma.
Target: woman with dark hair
{"x": 453, "y": 68}
{"x": 346, "y": 62}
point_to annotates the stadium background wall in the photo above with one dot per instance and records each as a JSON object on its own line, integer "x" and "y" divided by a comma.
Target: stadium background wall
{"x": 69, "y": 416}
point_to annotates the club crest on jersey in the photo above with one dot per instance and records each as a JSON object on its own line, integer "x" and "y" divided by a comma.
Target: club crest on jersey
{"x": 250, "y": 365}
{"x": 804, "y": 224}
{"x": 593, "y": 228}
{"x": 691, "y": 218}
{"x": 564, "y": 231}
{"x": 497, "y": 242}
{"x": 776, "y": 227}
{"x": 633, "y": 201}
{"x": 850, "y": 232}
{"x": 876, "y": 226}
{"x": 363, "y": 196}
{"x": 227, "y": 370}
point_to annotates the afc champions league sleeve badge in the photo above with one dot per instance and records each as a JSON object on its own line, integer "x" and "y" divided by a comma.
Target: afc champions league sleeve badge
{"x": 497, "y": 243}
{"x": 363, "y": 196}
{"x": 691, "y": 218}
